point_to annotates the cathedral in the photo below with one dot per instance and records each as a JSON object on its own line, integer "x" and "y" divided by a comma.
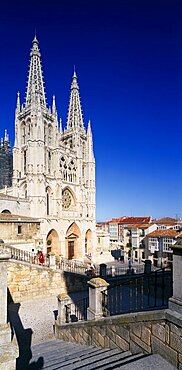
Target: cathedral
{"x": 53, "y": 169}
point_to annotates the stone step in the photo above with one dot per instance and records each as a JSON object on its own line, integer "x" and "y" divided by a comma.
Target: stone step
{"x": 57, "y": 354}
{"x": 65, "y": 355}
{"x": 82, "y": 360}
{"x": 55, "y": 345}
{"x": 151, "y": 362}
{"x": 117, "y": 363}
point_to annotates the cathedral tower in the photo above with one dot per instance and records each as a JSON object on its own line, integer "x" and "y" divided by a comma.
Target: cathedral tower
{"x": 53, "y": 167}
{"x": 6, "y": 161}
{"x": 36, "y": 140}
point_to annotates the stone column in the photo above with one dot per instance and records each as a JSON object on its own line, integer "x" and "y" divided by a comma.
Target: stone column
{"x": 96, "y": 287}
{"x": 8, "y": 349}
{"x": 4, "y": 257}
{"x": 175, "y": 302}
{"x": 63, "y": 300}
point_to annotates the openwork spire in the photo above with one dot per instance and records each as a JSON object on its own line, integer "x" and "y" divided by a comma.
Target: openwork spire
{"x": 75, "y": 119}
{"x": 35, "y": 88}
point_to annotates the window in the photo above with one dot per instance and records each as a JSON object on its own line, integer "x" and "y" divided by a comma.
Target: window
{"x": 19, "y": 229}
{"x": 25, "y": 160}
{"x": 49, "y": 162}
{"x": 50, "y": 135}
{"x": 143, "y": 232}
{"x": 167, "y": 244}
{"x": 23, "y": 134}
{"x": 176, "y": 227}
{"x": 153, "y": 244}
{"x": 47, "y": 201}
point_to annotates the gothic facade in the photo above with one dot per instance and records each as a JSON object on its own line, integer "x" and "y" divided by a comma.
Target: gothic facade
{"x": 53, "y": 168}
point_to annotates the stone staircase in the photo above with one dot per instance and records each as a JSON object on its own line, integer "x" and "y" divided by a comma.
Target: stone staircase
{"x": 56, "y": 354}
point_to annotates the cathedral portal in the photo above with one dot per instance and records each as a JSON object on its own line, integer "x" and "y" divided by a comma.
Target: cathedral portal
{"x": 73, "y": 242}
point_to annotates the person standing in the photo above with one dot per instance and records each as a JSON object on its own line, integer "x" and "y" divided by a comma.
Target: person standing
{"x": 41, "y": 258}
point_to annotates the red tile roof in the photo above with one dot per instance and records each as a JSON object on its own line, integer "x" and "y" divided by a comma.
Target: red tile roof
{"x": 164, "y": 233}
{"x": 128, "y": 220}
{"x": 166, "y": 221}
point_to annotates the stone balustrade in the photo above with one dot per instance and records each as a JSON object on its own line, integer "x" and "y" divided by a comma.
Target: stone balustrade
{"x": 148, "y": 332}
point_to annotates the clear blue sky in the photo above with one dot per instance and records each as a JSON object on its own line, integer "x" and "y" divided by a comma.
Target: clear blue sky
{"x": 127, "y": 55}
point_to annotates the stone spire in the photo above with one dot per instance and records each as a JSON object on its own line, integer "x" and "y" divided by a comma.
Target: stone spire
{"x": 6, "y": 136}
{"x": 90, "y": 141}
{"x": 35, "y": 88}
{"x": 75, "y": 118}
{"x": 60, "y": 126}
{"x": 54, "y": 112}
{"x": 89, "y": 131}
{"x": 18, "y": 103}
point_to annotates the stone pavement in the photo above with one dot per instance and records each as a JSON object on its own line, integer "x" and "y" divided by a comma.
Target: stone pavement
{"x": 38, "y": 316}
{"x": 34, "y": 318}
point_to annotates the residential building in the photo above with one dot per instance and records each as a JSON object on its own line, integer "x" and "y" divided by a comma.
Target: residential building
{"x": 135, "y": 240}
{"x": 160, "y": 243}
{"x": 128, "y": 233}
{"x": 21, "y": 232}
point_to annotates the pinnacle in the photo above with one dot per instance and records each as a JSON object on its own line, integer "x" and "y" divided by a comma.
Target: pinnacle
{"x": 35, "y": 88}
{"x": 35, "y": 39}
{"x": 75, "y": 119}
{"x": 74, "y": 74}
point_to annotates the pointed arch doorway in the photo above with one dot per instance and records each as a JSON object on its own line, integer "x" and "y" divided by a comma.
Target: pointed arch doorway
{"x": 73, "y": 241}
{"x": 52, "y": 242}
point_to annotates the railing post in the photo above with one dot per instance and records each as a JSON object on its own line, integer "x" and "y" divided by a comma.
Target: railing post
{"x": 96, "y": 287}
{"x": 52, "y": 260}
{"x": 175, "y": 302}
{"x": 103, "y": 267}
{"x": 113, "y": 270}
{"x": 148, "y": 265}
{"x": 63, "y": 300}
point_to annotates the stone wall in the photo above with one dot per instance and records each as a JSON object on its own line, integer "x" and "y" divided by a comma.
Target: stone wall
{"x": 27, "y": 281}
{"x": 14, "y": 205}
{"x": 152, "y": 332}
{"x": 9, "y": 230}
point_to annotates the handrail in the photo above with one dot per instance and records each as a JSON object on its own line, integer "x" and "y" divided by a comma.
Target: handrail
{"x": 76, "y": 311}
{"x": 138, "y": 293}
{"x": 25, "y": 256}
